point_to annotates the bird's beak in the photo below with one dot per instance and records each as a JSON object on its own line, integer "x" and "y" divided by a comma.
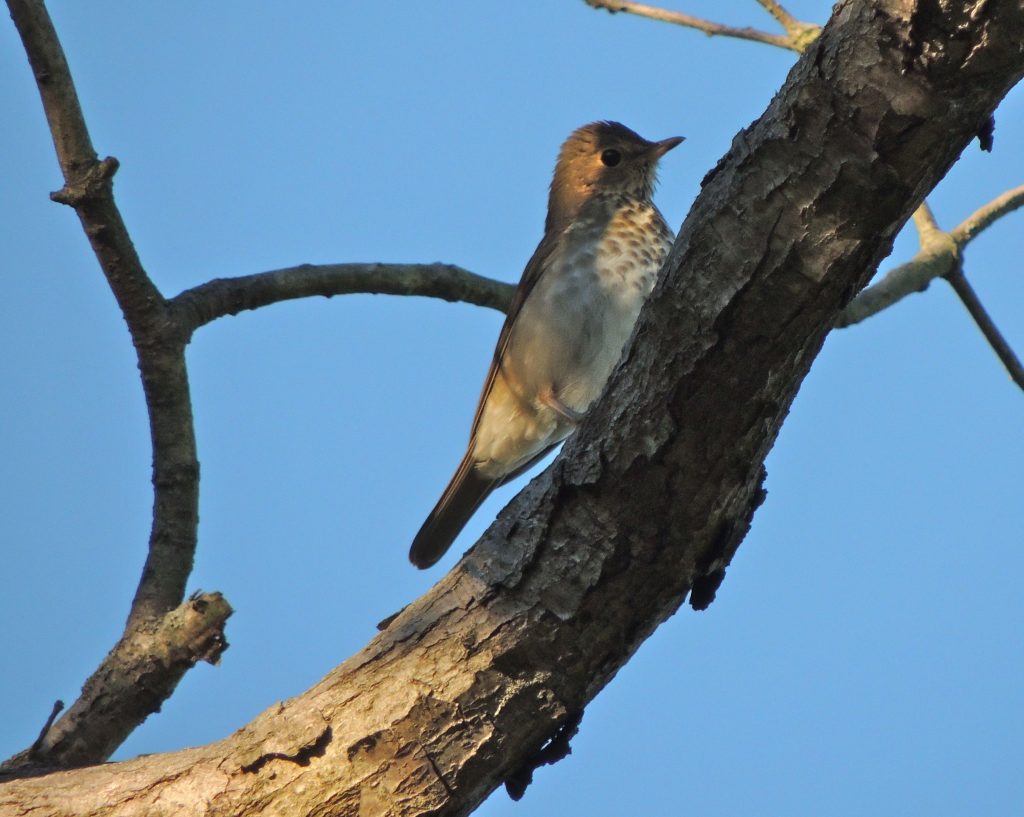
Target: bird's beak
{"x": 659, "y": 149}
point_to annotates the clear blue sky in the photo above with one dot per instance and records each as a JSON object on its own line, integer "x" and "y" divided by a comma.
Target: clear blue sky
{"x": 865, "y": 652}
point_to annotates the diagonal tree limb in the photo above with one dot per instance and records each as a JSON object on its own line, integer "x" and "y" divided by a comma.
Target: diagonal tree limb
{"x": 87, "y": 731}
{"x": 988, "y": 328}
{"x": 467, "y": 683}
{"x": 228, "y": 296}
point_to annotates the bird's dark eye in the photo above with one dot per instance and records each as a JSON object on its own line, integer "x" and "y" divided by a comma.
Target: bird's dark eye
{"x": 611, "y": 157}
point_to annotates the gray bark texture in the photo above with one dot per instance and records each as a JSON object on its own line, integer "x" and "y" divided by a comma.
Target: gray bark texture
{"x": 654, "y": 493}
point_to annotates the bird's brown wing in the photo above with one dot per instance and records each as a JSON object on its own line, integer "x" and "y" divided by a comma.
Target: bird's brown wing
{"x": 535, "y": 267}
{"x": 467, "y": 488}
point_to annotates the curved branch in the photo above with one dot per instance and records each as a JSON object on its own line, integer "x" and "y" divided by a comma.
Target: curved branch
{"x": 228, "y": 296}
{"x": 709, "y": 27}
{"x": 82, "y": 734}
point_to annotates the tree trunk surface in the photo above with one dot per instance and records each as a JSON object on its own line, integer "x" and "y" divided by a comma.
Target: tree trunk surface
{"x": 654, "y": 493}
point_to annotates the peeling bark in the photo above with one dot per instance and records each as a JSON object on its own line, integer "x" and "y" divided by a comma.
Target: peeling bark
{"x": 655, "y": 492}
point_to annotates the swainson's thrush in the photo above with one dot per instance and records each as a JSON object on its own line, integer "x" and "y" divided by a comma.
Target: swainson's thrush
{"x": 572, "y": 313}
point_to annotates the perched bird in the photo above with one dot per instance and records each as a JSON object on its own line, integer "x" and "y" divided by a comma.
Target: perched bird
{"x": 572, "y": 313}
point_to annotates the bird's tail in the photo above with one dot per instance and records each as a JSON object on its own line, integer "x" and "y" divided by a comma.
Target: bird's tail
{"x": 457, "y": 504}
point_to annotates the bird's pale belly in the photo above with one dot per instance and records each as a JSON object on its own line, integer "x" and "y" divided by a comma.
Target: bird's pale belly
{"x": 514, "y": 430}
{"x": 566, "y": 343}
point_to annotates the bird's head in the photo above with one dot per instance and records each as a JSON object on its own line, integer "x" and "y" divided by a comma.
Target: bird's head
{"x": 602, "y": 158}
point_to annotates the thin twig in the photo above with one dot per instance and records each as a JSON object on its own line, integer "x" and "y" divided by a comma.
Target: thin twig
{"x": 981, "y": 218}
{"x": 800, "y": 34}
{"x": 58, "y": 705}
{"x": 228, "y": 296}
{"x": 785, "y": 19}
{"x": 689, "y": 21}
{"x": 970, "y": 299}
{"x": 88, "y": 189}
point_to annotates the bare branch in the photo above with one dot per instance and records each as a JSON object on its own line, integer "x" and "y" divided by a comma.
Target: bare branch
{"x": 924, "y": 221}
{"x": 938, "y": 257}
{"x": 58, "y": 707}
{"x": 801, "y": 34}
{"x": 785, "y": 19}
{"x": 228, "y": 296}
{"x": 981, "y": 218}
{"x": 82, "y": 734}
{"x": 970, "y": 299}
{"x": 158, "y": 344}
{"x": 709, "y": 27}
{"x": 87, "y": 180}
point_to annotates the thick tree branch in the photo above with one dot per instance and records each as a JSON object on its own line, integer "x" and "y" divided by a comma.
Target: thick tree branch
{"x": 79, "y": 736}
{"x": 658, "y": 485}
{"x": 229, "y": 296}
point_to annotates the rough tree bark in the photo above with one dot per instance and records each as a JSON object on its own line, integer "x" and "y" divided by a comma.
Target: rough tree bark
{"x": 651, "y": 498}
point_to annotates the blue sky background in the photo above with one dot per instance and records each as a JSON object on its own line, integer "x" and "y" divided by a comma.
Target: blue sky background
{"x": 865, "y": 652}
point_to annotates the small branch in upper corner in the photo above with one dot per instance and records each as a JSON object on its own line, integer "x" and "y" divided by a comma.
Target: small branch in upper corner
{"x": 709, "y": 27}
{"x": 785, "y": 19}
{"x": 988, "y": 328}
{"x": 800, "y": 34}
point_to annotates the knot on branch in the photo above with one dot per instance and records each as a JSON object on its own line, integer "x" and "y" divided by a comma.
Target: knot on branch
{"x": 138, "y": 675}
{"x": 92, "y": 184}
{"x": 201, "y": 622}
{"x": 939, "y": 256}
{"x": 551, "y": 752}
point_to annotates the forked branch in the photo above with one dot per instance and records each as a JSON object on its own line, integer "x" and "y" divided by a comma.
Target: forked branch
{"x": 941, "y": 256}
